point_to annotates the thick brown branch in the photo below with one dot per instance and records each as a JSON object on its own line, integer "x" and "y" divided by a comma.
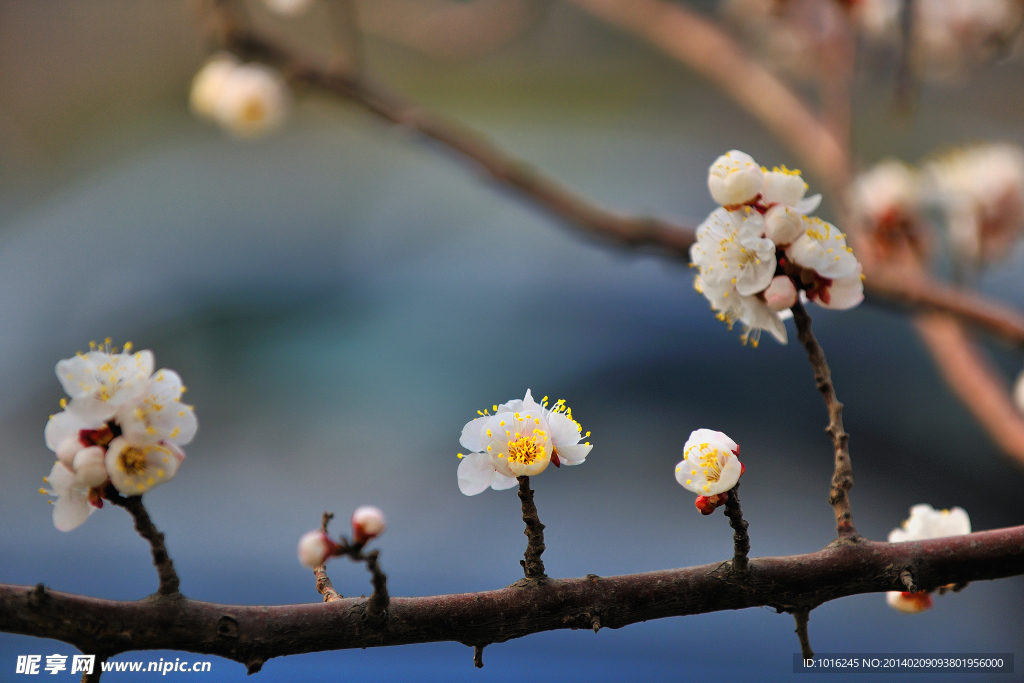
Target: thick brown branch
{"x": 740, "y": 539}
{"x": 144, "y": 525}
{"x": 254, "y": 634}
{"x": 533, "y": 566}
{"x": 802, "y": 616}
{"x": 842, "y": 479}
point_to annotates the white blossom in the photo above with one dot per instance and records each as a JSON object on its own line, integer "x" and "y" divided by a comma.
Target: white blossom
{"x": 735, "y": 178}
{"x": 367, "y": 522}
{"x": 99, "y": 382}
{"x": 786, "y": 187}
{"x": 124, "y": 424}
{"x": 519, "y": 439}
{"x": 208, "y": 83}
{"x": 710, "y": 463}
{"x": 887, "y": 194}
{"x": 783, "y": 225}
{"x": 288, "y": 8}
{"x": 314, "y": 549}
{"x": 752, "y": 311}
{"x": 72, "y": 506}
{"x": 253, "y": 100}
{"x": 925, "y": 523}
{"x": 981, "y": 191}
{"x": 732, "y": 252}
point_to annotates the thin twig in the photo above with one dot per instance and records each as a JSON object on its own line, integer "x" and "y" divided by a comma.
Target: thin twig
{"x": 377, "y": 605}
{"x": 323, "y": 583}
{"x": 478, "y": 656}
{"x": 144, "y": 525}
{"x": 533, "y": 567}
{"x": 842, "y": 479}
{"x": 802, "y": 617}
{"x": 740, "y": 539}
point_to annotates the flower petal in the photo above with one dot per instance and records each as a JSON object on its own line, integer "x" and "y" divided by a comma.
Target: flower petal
{"x": 471, "y": 433}
{"x": 475, "y": 473}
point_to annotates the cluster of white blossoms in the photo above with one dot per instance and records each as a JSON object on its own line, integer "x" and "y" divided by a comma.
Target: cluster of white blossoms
{"x": 124, "y": 425}
{"x": 757, "y": 251}
{"x": 710, "y": 467}
{"x": 247, "y": 100}
{"x": 925, "y": 523}
{"x": 315, "y": 547}
{"x": 950, "y": 37}
{"x": 519, "y": 439}
{"x": 980, "y": 189}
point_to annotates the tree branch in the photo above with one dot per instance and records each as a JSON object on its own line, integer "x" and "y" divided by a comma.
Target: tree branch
{"x": 533, "y": 566}
{"x": 144, "y": 525}
{"x": 802, "y": 616}
{"x": 740, "y": 539}
{"x": 842, "y": 479}
{"x": 323, "y": 584}
{"x": 252, "y": 635}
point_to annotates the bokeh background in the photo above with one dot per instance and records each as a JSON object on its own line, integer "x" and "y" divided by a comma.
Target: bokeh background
{"x": 340, "y": 298}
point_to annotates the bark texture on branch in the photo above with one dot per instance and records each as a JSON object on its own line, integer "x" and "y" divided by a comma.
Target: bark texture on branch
{"x": 254, "y": 634}
{"x": 144, "y": 525}
{"x": 533, "y": 566}
{"x": 740, "y": 538}
{"x": 842, "y": 479}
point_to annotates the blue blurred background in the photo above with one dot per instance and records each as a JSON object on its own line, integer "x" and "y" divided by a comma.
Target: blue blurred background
{"x": 341, "y": 298}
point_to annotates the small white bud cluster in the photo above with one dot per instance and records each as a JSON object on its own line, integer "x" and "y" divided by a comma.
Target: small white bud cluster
{"x": 316, "y": 547}
{"x": 125, "y": 424}
{"x": 247, "y": 100}
{"x": 760, "y": 248}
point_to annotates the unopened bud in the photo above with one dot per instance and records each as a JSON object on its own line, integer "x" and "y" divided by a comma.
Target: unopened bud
{"x": 367, "y": 522}
{"x": 708, "y": 504}
{"x": 89, "y": 466}
{"x": 735, "y": 178}
{"x": 67, "y": 449}
{"x": 783, "y": 225}
{"x": 781, "y": 293}
{"x": 314, "y": 549}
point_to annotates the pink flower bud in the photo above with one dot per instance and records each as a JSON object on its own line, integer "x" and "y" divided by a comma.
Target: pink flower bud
{"x": 909, "y": 603}
{"x": 781, "y": 293}
{"x": 367, "y": 522}
{"x": 90, "y": 466}
{"x": 314, "y": 549}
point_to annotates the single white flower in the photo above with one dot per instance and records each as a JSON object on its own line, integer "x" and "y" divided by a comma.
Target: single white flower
{"x": 314, "y": 549}
{"x": 925, "y": 523}
{"x": 99, "y": 382}
{"x": 208, "y": 83}
{"x": 752, "y": 311}
{"x": 732, "y": 253}
{"x": 367, "y": 522}
{"x": 710, "y": 463}
{"x": 253, "y": 100}
{"x": 72, "y": 507}
{"x": 822, "y": 248}
{"x": 909, "y": 603}
{"x": 158, "y": 414}
{"x": 520, "y": 439}
{"x": 785, "y": 187}
{"x": 136, "y": 468}
{"x": 288, "y": 8}
{"x": 735, "y": 178}
{"x": 887, "y": 195}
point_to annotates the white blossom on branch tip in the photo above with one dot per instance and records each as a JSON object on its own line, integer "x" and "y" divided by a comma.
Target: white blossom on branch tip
{"x": 519, "y": 439}
{"x": 710, "y": 467}
{"x": 124, "y": 425}
{"x": 735, "y": 178}
{"x": 314, "y": 549}
{"x": 247, "y": 100}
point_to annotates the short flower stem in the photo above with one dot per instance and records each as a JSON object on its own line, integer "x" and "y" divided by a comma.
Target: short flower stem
{"x": 740, "y": 539}
{"x": 532, "y": 565}
{"x": 144, "y": 525}
{"x": 802, "y": 617}
{"x": 323, "y": 584}
{"x": 842, "y": 479}
{"x": 377, "y": 605}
